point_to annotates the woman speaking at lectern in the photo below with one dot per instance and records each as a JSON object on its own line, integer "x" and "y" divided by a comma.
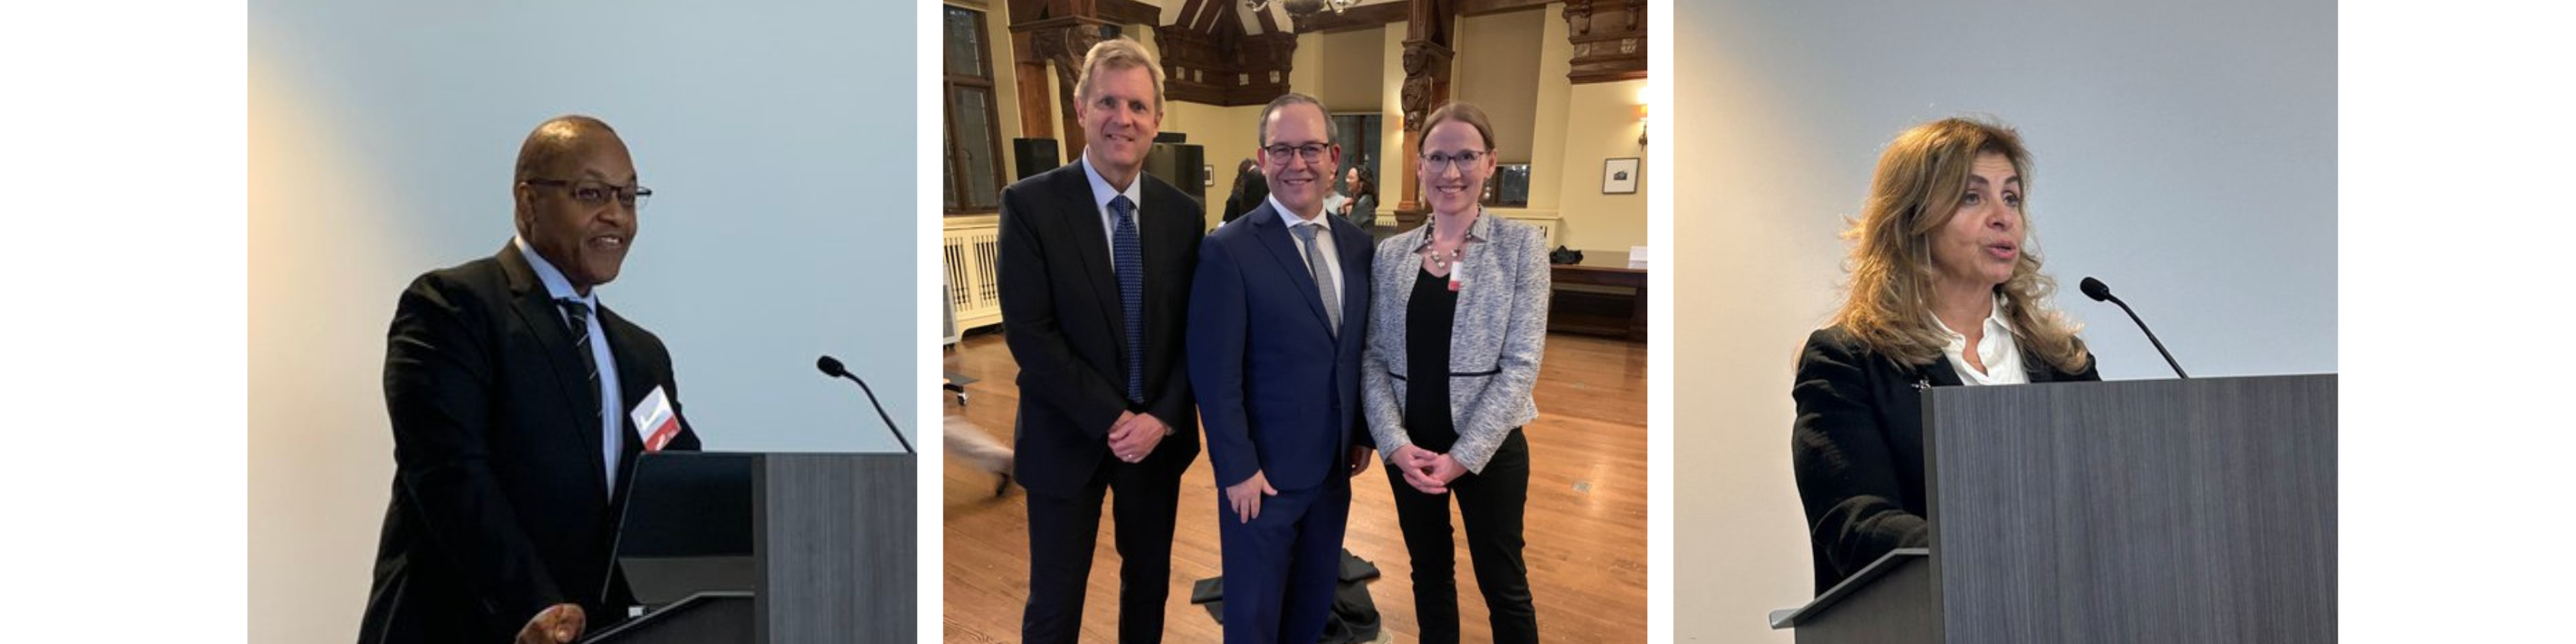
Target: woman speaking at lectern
{"x": 1943, "y": 291}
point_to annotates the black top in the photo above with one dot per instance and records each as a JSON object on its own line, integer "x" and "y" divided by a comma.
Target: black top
{"x": 1427, "y": 316}
{"x": 1857, "y": 446}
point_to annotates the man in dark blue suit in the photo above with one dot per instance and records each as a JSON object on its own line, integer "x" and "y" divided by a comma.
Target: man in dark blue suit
{"x": 1277, "y": 309}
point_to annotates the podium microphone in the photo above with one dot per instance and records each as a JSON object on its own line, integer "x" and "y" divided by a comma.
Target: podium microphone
{"x": 832, "y": 367}
{"x": 2100, "y": 292}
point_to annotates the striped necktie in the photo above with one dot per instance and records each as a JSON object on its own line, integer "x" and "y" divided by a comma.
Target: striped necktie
{"x": 1131, "y": 292}
{"x": 577, "y": 313}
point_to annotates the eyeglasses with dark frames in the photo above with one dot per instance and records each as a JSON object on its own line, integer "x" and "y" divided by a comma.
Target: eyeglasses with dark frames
{"x": 597, "y": 193}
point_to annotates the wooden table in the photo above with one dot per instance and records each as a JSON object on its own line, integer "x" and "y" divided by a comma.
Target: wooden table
{"x": 1590, "y": 311}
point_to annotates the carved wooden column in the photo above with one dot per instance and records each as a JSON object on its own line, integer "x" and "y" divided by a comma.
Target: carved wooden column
{"x": 1061, "y": 40}
{"x": 1609, "y": 38}
{"x": 1427, "y": 54}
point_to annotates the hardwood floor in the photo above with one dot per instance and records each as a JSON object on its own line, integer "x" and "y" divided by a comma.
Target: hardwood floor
{"x": 1586, "y": 523}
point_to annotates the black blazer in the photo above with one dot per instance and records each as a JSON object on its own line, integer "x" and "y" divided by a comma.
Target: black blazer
{"x": 498, "y": 505}
{"x": 1858, "y": 448}
{"x": 1061, "y": 318}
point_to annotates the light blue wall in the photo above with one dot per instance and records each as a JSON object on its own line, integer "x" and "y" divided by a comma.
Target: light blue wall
{"x": 780, "y": 141}
{"x": 777, "y": 139}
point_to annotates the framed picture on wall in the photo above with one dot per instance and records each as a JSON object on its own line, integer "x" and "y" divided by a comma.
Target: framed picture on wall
{"x": 1619, "y": 176}
{"x": 1509, "y": 187}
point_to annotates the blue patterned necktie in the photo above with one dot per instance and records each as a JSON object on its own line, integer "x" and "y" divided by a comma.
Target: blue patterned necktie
{"x": 1131, "y": 292}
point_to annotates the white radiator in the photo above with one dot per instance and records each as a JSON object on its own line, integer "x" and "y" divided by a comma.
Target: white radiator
{"x": 968, "y": 250}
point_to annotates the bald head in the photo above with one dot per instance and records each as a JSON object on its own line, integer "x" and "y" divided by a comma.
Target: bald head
{"x": 576, "y": 195}
{"x": 557, "y": 139}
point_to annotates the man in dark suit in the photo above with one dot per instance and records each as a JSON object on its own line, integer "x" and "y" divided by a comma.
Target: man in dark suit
{"x": 509, "y": 387}
{"x": 1094, "y": 268}
{"x": 1277, "y": 309}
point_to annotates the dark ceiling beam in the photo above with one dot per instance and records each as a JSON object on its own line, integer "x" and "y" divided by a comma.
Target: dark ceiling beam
{"x": 1482, "y": 7}
{"x": 1130, "y": 12}
{"x": 1360, "y": 17}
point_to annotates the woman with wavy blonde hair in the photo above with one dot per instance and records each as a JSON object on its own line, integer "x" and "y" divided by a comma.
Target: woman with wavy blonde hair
{"x": 1944, "y": 291}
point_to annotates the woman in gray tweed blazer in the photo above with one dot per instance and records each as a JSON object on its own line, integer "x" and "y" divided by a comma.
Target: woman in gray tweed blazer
{"x": 1453, "y": 347}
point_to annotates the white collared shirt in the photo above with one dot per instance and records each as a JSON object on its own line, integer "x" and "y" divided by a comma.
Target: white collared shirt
{"x": 611, "y": 423}
{"x": 1101, "y": 193}
{"x": 1323, "y": 238}
{"x": 1997, "y": 350}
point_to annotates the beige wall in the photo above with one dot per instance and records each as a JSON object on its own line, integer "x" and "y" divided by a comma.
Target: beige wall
{"x": 1227, "y": 138}
{"x": 1355, "y": 60}
{"x": 1497, "y": 69}
{"x": 321, "y": 290}
{"x": 1601, "y": 123}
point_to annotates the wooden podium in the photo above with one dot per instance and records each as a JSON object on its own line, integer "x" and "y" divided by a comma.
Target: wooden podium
{"x": 769, "y": 548}
{"x": 2195, "y": 510}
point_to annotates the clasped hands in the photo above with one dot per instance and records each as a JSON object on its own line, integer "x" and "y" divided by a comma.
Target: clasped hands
{"x": 1427, "y": 470}
{"x": 1134, "y": 436}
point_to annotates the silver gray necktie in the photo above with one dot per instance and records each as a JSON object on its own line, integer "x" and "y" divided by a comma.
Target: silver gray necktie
{"x": 1322, "y": 272}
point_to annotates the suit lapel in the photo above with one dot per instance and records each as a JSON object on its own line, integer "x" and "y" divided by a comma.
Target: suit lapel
{"x": 1355, "y": 252}
{"x": 536, "y": 310}
{"x": 1940, "y": 373}
{"x": 1091, "y": 245}
{"x": 2039, "y": 370}
{"x": 1270, "y": 228}
{"x": 635, "y": 380}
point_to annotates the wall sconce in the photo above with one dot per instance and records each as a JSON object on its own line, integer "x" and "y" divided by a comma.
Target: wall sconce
{"x": 1641, "y": 125}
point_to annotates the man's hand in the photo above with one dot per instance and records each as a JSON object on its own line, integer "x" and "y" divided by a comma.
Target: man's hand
{"x": 557, "y": 624}
{"x": 1360, "y": 458}
{"x": 1246, "y": 496}
{"x": 1135, "y": 436}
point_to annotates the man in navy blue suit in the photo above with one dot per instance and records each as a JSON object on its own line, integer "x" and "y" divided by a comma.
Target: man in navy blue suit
{"x": 1278, "y": 305}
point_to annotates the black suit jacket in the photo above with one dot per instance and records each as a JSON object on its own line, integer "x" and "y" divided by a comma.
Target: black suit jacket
{"x": 1858, "y": 448}
{"x": 1062, "y": 319}
{"x": 499, "y": 508}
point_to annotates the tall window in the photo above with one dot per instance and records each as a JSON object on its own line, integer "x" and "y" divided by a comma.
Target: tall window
{"x": 973, "y": 135}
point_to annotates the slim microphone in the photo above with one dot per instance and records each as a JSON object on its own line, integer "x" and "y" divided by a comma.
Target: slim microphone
{"x": 832, "y": 367}
{"x": 2101, "y": 292}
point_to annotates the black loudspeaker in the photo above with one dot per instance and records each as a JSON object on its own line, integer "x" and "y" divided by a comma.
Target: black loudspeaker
{"x": 1035, "y": 156}
{"x": 1182, "y": 165}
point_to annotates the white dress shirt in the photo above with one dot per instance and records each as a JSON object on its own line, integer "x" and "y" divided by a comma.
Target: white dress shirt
{"x": 611, "y": 421}
{"x": 1997, "y": 350}
{"x": 1101, "y": 193}
{"x": 1323, "y": 224}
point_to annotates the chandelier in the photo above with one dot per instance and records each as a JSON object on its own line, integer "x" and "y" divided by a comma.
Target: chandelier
{"x": 1303, "y": 7}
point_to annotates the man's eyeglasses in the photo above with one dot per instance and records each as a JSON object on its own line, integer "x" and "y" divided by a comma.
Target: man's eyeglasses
{"x": 1313, "y": 152}
{"x": 1441, "y": 162}
{"x": 597, "y": 193}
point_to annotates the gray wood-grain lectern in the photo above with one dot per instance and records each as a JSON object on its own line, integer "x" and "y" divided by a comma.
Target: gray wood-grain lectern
{"x": 768, "y": 548}
{"x": 2195, "y": 510}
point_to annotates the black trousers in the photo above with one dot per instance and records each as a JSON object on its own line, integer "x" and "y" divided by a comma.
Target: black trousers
{"x": 1492, "y": 504}
{"x": 1063, "y": 531}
